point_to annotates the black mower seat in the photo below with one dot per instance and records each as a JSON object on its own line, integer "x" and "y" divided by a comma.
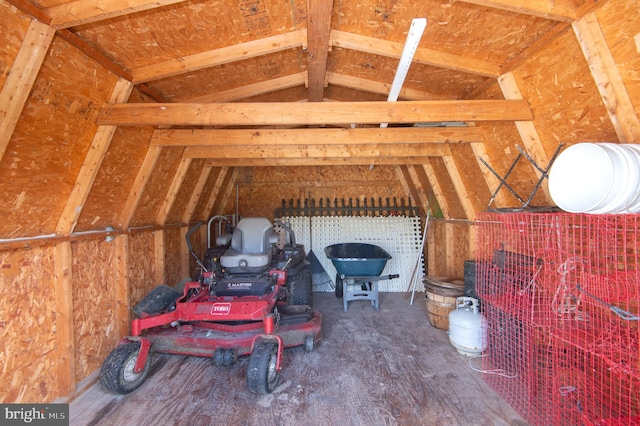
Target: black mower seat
{"x": 250, "y": 250}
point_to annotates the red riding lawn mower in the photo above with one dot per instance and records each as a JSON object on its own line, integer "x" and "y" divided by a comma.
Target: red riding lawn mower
{"x": 253, "y": 297}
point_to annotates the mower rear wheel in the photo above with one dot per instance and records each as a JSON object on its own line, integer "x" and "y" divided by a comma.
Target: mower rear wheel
{"x": 339, "y": 286}
{"x": 300, "y": 288}
{"x": 159, "y": 299}
{"x": 262, "y": 371}
{"x": 117, "y": 375}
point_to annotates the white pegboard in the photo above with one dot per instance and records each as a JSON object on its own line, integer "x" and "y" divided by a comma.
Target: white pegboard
{"x": 399, "y": 236}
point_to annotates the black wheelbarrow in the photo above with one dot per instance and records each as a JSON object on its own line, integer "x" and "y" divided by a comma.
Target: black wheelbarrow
{"x": 358, "y": 267}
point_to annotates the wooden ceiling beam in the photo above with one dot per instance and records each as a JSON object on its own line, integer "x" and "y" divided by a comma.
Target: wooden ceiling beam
{"x": 80, "y": 12}
{"x": 291, "y": 162}
{"x": 318, "y": 151}
{"x": 423, "y": 56}
{"x": 223, "y": 55}
{"x": 318, "y": 30}
{"x": 317, "y": 136}
{"x": 312, "y": 113}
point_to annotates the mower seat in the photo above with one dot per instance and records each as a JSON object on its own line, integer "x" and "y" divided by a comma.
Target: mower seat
{"x": 250, "y": 250}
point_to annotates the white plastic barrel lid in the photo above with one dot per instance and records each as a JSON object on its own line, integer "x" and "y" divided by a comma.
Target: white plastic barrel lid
{"x": 581, "y": 177}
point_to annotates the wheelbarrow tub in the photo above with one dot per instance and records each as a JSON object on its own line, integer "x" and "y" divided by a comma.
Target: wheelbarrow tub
{"x": 357, "y": 259}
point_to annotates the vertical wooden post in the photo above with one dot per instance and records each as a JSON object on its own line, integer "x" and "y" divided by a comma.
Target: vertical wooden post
{"x": 122, "y": 293}
{"x": 158, "y": 240}
{"x": 64, "y": 318}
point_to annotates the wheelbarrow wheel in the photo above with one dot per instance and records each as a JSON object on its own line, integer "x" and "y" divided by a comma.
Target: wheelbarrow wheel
{"x": 117, "y": 375}
{"x": 262, "y": 371}
{"x": 339, "y": 286}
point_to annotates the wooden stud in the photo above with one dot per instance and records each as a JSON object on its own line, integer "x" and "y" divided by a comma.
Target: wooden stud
{"x": 527, "y": 130}
{"x": 122, "y": 296}
{"x": 287, "y": 113}
{"x": 420, "y": 190}
{"x": 158, "y": 257}
{"x": 461, "y": 190}
{"x": 20, "y": 80}
{"x": 63, "y": 262}
{"x": 227, "y": 189}
{"x": 144, "y": 173}
{"x": 608, "y": 80}
{"x": 215, "y": 191}
{"x": 174, "y": 188}
{"x": 89, "y": 170}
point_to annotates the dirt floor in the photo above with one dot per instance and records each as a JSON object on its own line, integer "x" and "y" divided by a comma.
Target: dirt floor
{"x": 372, "y": 368}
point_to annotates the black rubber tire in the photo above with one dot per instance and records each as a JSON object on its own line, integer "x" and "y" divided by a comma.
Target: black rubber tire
{"x": 309, "y": 342}
{"x": 300, "y": 288}
{"x": 229, "y": 356}
{"x": 158, "y": 300}
{"x": 218, "y": 357}
{"x": 262, "y": 374}
{"x": 116, "y": 374}
{"x": 339, "y": 285}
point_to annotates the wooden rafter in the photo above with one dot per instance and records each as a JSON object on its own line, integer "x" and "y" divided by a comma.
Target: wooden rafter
{"x": 135, "y": 193}
{"x": 196, "y": 194}
{"x": 215, "y": 191}
{"x": 221, "y": 56}
{"x": 424, "y": 56}
{"x": 254, "y": 89}
{"x": 312, "y": 113}
{"x": 437, "y": 189}
{"x": 174, "y": 189}
{"x": 558, "y": 10}
{"x": 479, "y": 151}
{"x": 461, "y": 189}
{"x": 81, "y": 12}
{"x": 358, "y": 83}
{"x": 318, "y": 31}
{"x": 608, "y": 80}
{"x": 91, "y": 165}
{"x": 23, "y": 74}
{"x": 268, "y": 137}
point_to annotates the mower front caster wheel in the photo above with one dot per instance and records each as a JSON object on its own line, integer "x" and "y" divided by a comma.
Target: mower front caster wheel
{"x": 262, "y": 371}
{"x": 117, "y": 375}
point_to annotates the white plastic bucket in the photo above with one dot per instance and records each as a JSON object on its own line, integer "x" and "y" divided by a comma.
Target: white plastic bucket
{"x": 597, "y": 178}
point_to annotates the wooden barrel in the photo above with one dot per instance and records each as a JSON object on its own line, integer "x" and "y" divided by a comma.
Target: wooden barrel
{"x": 441, "y": 299}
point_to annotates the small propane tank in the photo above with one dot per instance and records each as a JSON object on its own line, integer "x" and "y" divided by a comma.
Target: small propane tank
{"x": 467, "y": 327}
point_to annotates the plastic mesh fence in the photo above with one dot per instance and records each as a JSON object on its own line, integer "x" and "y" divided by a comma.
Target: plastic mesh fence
{"x": 561, "y": 294}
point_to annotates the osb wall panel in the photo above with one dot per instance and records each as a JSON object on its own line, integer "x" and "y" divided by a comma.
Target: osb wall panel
{"x": 620, "y": 22}
{"x": 186, "y": 189}
{"x": 159, "y": 35}
{"x": 141, "y": 266}
{"x": 172, "y": 257}
{"x": 448, "y": 247}
{"x": 157, "y": 187}
{"x": 563, "y": 96}
{"x": 262, "y": 191}
{"x": 116, "y": 176}
{"x": 14, "y": 26}
{"x": 27, "y": 326}
{"x": 94, "y": 282}
{"x": 51, "y": 139}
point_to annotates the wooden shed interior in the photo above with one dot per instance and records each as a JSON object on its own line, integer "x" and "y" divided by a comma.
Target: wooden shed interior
{"x": 134, "y": 119}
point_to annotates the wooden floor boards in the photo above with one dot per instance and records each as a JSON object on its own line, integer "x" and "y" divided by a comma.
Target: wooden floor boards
{"x": 372, "y": 368}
